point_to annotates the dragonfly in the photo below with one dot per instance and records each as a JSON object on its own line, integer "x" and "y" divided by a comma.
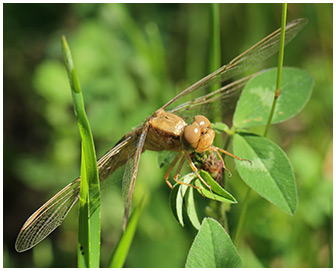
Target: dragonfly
{"x": 165, "y": 130}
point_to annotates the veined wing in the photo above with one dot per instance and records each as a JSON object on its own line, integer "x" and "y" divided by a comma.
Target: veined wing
{"x": 131, "y": 171}
{"x": 226, "y": 97}
{"x": 50, "y": 215}
{"x": 256, "y": 54}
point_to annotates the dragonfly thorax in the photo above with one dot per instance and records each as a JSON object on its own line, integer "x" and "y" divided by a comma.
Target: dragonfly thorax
{"x": 165, "y": 132}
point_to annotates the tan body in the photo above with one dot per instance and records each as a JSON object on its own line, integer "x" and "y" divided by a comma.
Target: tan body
{"x": 165, "y": 132}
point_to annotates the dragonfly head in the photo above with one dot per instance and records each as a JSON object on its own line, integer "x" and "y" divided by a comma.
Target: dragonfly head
{"x": 198, "y": 136}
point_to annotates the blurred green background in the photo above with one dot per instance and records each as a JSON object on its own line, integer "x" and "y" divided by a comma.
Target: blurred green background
{"x": 131, "y": 59}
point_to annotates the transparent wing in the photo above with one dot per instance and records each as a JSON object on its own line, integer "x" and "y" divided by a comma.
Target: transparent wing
{"x": 131, "y": 171}
{"x": 221, "y": 101}
{"x": 256, "y": 54}
{"x": 47, "y": 218}
{"x": 50, "y": 215}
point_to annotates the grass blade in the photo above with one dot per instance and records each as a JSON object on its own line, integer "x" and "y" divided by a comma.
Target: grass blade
{"x": 120, "y": 253}
{"x": 89, "y": 199}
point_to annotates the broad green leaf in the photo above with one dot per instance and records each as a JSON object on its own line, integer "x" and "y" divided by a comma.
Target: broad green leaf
{"x": 120, "y": 253}
{"x": 212, "y": 248}
{"x": 255, "y": 103}
{"x": 271, "y": 174}
{"x": 218, "y": 193}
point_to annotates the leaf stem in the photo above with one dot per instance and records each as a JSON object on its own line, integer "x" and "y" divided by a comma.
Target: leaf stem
{"x": 242, "y": 215}
{"x": 215, "y": 61}
{"x": 215, "y": 52}
{"x": 280, "y": 65}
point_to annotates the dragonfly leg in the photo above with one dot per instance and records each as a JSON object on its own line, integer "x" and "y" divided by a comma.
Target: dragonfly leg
{"x": 178, "y": 171}
{"x": 166, "y": 176}
{"x": 230, "y": 154}
{"x": 193, "y": 167}
{"x": 221, "y": 158}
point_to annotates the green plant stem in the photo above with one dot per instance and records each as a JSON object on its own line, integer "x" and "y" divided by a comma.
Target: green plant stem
{"x": 276, "y": 96}
{"x": 215, "y": 61}
{"x": 121, "y": 251}
{"x": 226, "y": 145}
{"x": 224, "y": 207}
{"x": 242, "y": 217}
{"x": 215, "y": 51}
{"x": 280, "y": 64}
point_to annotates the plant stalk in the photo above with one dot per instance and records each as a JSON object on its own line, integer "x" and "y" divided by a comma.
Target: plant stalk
{"x": 276, "y": 96}
{"x": 242, "y": 217}
{"x": 280, "y": 65}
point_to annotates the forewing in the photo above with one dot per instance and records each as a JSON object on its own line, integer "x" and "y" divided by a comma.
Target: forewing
{"x": 251, "y": 57}
{"x": 222, "y": 101}
{"x": 48, "y": 217}
{"x": 131, "y": 170}
{"x": 116, "y": 157}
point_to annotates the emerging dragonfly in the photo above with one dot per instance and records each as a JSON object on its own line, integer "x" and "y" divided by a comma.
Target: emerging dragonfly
{"x": 166, "y": 129}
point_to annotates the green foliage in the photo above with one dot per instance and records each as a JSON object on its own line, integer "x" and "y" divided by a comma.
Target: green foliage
{"x": 182, "y": 196}
{"x": 212, "y": 248}
{"x": 89, "y": 196}
{"x": 220, "y": 127}
{"x": 130, "y": 60}
{"x": 271, "y": 174}
{"x": 121, "y": 251}
{"x": 217, "y": 192}
{"x": 255, "y": 103}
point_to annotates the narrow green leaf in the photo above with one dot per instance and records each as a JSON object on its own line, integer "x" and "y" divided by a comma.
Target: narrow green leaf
{"x": 212, "y": 248}
{"x": 271, "y": 174}
{"x": 89, "y": 196}
{"x": 176, "y": 197}
{"x": 255, "y": 103}
{"x": 120, "y": 253}
{"x": 180, "y": 195}
{"x": 173, "y": 200}
{"x": 218, "y": 192}
{"x": 191, "y": 209}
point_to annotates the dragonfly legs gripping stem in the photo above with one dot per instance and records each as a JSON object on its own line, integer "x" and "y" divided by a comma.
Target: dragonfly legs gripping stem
{"x": 178, "y": 171}
{"x": 217, "y": 150}
{"x": 230, "y": 154}
{"x": 193, "y": 167}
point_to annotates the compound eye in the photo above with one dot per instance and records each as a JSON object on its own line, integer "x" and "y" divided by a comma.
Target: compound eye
{"x": 202, "y": 121}
{"x": 206, "y": 140}
{"x": 192, "y": 134}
